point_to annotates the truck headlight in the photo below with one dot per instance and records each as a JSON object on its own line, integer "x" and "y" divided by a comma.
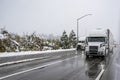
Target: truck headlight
{"x": 102, "y": 49}
{"x": 102, "y": 45}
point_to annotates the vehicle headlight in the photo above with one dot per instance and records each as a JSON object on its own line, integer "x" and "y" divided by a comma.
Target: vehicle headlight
{"x": 102, "y": 48}
{"x": 102, "y": 45}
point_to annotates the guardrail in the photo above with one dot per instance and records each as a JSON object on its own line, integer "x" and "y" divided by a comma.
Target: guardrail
{"x": 12, "y": 58}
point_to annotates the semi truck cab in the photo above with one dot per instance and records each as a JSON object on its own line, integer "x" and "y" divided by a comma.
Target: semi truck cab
{"x": 96, "y": 46}
{"x": 99, "y": 43}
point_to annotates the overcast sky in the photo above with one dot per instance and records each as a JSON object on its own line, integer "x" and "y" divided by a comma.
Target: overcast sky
{"x": 55, "y": 16}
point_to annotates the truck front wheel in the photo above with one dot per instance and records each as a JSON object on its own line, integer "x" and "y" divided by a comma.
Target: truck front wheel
{"x": 87, "y": 56}
{"x": 105, "y": 52}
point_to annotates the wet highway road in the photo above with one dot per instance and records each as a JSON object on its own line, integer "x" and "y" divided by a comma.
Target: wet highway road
{"x": 112, "y": 71}
{"x": 73, "y": 68}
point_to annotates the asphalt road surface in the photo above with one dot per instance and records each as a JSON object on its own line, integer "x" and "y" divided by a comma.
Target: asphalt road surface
{"x": 71, "y": 68}
{"x": 112, "y": 71}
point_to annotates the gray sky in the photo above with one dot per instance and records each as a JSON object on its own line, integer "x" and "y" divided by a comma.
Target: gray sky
{"x": 54, "y": 16}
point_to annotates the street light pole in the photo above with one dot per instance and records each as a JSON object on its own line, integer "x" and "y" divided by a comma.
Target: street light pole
{"x": 78, "y": 25}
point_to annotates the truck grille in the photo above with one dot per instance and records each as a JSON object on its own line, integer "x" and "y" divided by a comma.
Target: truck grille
{"x": 78, "y": 47}
{"x": 93, "y": 49}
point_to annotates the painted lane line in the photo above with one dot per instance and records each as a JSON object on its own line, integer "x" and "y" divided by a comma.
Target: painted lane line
{"x": 100, "y": 74}
{"x": 21, "y": 61}
{"x": 29, "y": 70}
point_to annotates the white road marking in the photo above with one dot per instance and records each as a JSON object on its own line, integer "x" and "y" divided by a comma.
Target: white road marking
{"x": 21, "y": 61}
{"x": 32, "y": 69}
{"x": 100, "y": 74}
{"x": 28, "y": 70}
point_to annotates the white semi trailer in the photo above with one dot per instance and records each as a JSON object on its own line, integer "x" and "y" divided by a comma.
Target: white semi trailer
{"x": 99, "y": 43}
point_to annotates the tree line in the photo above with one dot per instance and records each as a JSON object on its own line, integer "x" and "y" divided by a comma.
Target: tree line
{"x": 11, "y": 42}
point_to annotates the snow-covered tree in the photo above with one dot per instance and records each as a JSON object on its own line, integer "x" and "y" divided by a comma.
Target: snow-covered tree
{"x": 64, "y": 41}
{"x": 72, "y": 39}
{"x": 8, "y": 42}
{"x": 32, "y": 42}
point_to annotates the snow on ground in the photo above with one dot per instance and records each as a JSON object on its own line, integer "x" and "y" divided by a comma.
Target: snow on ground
{"x": 9, "y": 54}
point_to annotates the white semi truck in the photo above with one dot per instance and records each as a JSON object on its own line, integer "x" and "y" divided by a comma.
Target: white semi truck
{"x": 81, "y": 43}
{"x": 99, "y": 43}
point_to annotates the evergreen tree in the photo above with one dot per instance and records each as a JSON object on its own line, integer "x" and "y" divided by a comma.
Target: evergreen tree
{"x": 72, "y": 39}
{"x": 64, "y": 41}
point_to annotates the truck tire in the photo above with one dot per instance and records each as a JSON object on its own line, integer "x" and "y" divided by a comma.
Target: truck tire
{"x": 87, "y": 56}
{"x": 105, "y": 52}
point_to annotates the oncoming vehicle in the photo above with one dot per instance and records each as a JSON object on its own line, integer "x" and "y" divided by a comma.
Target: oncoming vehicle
{"x": 99, "y": 43}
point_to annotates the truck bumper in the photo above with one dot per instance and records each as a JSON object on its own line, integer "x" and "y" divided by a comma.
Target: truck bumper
{"x": 95, "y": 54}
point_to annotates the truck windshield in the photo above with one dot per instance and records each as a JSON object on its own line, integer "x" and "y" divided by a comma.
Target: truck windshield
{"x": 96, "y": 39}
{"x": 81, "y": 41}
